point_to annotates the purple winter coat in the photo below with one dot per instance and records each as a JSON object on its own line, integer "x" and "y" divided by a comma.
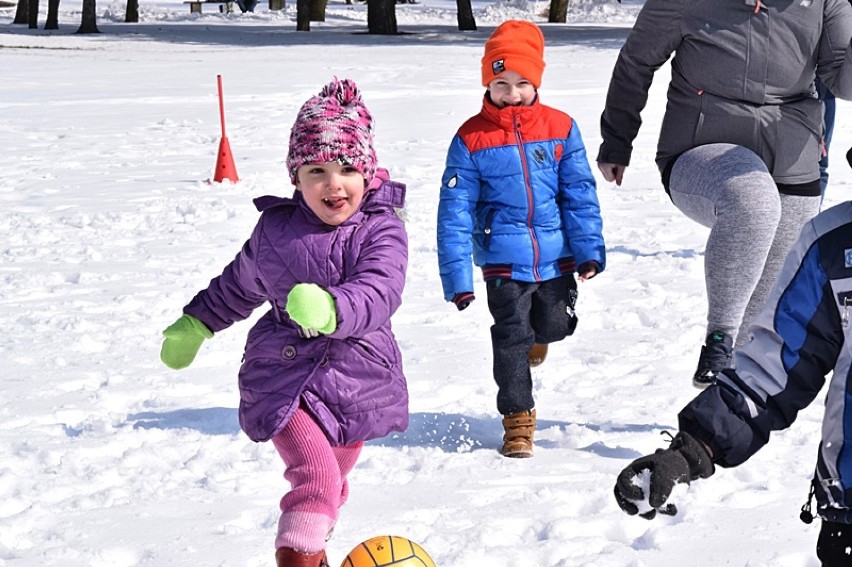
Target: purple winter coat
{"x": 351, "y": 381}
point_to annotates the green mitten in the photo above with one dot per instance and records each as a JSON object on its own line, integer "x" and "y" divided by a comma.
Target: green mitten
{"x": 312, "y": 307}
{"x": 183, "y": 339}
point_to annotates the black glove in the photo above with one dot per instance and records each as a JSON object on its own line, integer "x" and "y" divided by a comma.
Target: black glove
{"x": 685, "y": 460}
{"x": 463, "y": 299}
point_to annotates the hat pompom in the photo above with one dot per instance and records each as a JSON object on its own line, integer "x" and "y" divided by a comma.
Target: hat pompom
{"x": 334, "y": 125}
{"x": 345, "y": 91}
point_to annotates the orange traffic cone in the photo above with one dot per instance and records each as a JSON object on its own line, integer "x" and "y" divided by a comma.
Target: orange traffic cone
{"x": 225, "y": 168}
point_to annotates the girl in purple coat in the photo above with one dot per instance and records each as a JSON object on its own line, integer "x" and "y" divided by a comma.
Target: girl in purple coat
{"x": 322, "y": 372}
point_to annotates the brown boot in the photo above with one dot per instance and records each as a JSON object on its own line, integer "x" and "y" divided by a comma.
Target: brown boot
{"x": 518, "y": 439}
{"x": 537, "y": 354}
{"x": 288, "y": 557}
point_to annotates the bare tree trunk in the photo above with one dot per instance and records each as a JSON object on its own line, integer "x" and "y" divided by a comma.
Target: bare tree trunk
{"x": 318, "y": 10}
{"x": 381, "y": 17}
{"x": 303, "y": 15}
{"x": 558, "y": 11}
{"x": 131, "y": 15}
{"x": 89, "y": 21}
{"x": 32, "y": 15}
{"x": 22, "y": 14}
{"x": 465, "y": 16}
{"x": 52, "y": 22}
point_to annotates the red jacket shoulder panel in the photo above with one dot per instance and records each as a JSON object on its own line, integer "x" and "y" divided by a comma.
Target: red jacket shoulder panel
{"x": 494, "y": 127}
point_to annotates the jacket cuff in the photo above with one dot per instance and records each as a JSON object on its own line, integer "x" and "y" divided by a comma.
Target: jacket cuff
{"x": 463, "y": 299}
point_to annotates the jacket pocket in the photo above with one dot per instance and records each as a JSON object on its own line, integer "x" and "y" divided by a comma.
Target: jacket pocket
{"x": 488, "y": 228}
{"x": 369, "y": 352}
{"x": 798, "y": 134}
{"x": 723, "y": 121}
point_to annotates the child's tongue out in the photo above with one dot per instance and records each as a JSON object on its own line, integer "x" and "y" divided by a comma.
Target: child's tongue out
{"x": 335, "y": 203}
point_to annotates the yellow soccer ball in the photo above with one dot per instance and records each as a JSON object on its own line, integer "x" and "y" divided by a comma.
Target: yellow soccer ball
{"x": 382, "y": 551}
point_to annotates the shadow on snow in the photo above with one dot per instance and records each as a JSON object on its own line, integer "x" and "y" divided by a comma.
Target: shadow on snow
{"x": 452, "y": 433}
{"x": 243, "y": 35}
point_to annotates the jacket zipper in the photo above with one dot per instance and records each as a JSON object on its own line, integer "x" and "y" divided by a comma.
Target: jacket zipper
{"x": 530, "y": 199}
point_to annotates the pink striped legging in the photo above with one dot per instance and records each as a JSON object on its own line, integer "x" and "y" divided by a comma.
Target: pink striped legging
{"x": 318, "y": 486}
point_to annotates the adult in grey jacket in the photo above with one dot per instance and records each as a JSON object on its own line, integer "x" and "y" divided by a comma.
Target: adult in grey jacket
{"x": 740, "y": 142}
{"x": 802, "y": 335}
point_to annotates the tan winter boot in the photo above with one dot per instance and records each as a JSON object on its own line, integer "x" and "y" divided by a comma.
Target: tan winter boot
{"x": 518, "y": 437}
{"x": 288, "y": 557}
{"x": 537, "y": 354}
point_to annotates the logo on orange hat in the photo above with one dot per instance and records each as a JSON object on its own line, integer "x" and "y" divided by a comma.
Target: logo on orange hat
{"x": 498, "y": 66}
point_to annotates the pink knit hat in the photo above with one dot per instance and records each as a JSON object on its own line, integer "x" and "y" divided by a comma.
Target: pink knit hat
{"x": 333, "y": 126}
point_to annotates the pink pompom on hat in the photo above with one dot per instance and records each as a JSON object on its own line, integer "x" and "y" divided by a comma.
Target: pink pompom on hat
{"x": 334, "y": 125}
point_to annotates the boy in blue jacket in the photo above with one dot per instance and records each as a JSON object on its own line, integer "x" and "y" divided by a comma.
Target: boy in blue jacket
{"x": 518, "y": 196}
{"x": 802, "y": 335}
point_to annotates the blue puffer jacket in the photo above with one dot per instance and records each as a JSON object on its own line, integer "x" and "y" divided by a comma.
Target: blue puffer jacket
{"x": 519, "y": 197}
{"x": 802, "y": 335}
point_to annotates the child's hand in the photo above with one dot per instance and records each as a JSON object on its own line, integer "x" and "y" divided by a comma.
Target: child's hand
{"x": 312, "y": 308}
{"x": 645, "y": 485}
{"x": 463, "y": 300}
{"x": 587, "y": 270}
{"x": 183, "y": 339}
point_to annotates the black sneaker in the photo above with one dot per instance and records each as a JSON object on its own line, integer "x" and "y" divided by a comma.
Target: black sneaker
{"x": 716, "y": 355}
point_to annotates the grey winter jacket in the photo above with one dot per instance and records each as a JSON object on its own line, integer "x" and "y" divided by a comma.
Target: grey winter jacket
{"x": 802, "y": 335}
{"x": 742, "y": 73}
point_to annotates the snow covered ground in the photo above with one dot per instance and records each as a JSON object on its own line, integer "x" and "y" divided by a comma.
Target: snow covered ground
{"x": 108, "y": 226}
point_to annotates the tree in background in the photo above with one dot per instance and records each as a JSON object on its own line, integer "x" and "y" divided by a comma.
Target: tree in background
{"x": 88, "y": 23}
{"x": 318, "y": 10}
{"x": 131, "y": 15}
{"x": 33, "y": 14}
{"x": 381, "y": 17}
{"x": 558, "y": 11}
{"x": 303, "y": 15}
{"x": 22, "y": 13}
{"x": 52, "y": 22}
{"x": 465, "y": 15}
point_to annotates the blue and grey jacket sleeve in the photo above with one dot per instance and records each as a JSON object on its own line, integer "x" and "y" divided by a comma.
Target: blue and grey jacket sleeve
{"x": 797, "y": 340}
{"x": 459, "y": 194}
{"x": 580, "y": 209}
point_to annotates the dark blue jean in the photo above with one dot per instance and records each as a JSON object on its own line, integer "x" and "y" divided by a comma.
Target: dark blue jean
{"x": 525, "y": 313}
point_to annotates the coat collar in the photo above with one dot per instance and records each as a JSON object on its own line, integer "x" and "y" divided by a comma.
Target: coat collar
{"x": 508, "y": 116}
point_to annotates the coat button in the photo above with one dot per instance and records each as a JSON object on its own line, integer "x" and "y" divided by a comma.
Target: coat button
{"x": 289, "y": 352}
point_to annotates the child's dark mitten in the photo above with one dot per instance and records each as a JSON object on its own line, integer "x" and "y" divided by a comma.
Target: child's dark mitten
{"x": 685, "y": 460}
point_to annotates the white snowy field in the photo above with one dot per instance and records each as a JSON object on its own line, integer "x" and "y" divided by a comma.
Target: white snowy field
{"x": 108, "y": 226}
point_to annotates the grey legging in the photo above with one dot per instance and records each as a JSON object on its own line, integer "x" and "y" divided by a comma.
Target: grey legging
{"x": 728, "y": 189}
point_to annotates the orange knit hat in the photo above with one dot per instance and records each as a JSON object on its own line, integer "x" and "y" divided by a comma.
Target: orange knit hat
{"x": 515, "y": 45}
